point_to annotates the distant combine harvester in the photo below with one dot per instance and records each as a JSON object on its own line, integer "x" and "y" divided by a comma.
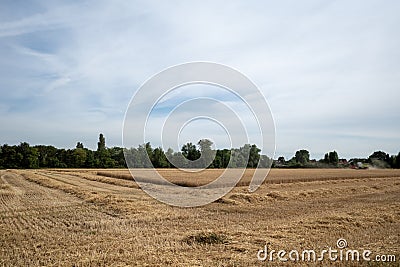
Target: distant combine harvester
{"x": 359, "y": 165}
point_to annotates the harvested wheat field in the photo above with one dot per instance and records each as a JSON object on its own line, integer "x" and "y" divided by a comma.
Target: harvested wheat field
{"x": 101, "y": 218}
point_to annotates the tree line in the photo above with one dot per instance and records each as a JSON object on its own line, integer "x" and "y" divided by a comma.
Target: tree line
{"x": 41, "y": 156}
{"x": 144, "y": 156}
{"x": 301, "y": 159}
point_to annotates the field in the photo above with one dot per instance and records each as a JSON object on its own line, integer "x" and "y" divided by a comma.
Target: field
{"x": 101, "y": 218}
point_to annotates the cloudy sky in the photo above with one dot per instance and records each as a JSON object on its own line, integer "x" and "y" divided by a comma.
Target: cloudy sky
{"x": 330, "y": 70}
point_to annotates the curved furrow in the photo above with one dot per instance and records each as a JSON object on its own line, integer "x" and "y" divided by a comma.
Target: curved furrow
{"x": 87, "y": 184}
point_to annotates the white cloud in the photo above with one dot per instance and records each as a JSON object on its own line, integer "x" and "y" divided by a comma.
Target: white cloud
{"x": 330, "y": 71}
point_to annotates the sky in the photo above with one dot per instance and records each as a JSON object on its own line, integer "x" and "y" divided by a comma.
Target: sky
{"x": 329, "y": 70}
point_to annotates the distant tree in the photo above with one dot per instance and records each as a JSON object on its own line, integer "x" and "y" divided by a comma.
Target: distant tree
{"x": 235, "y": 160}
{"x": 326, "y": 158}
{"x": 254, "y": 156}
{"x": 80, "y": 145}
{"x": 10, "y": 157}
{"x": 79, "y": 157}
{"x": 265, "y": 161}
{"x": 149, "y": 150}
{"x": 143, "y": 156}
{"x": 302, "y": 156}
{"x": 293, "y": 163}
{"x": 190, "y": 151}
{"x": 30, "y": 156}
{"x": 117, "y": 156}
{"x": 101, "y": 145}
{"x": 103, "y": 159}
{"x": 66, "y": 158}
{"x": 333, "y": 158}
{"x": 222, "y": 158}
{"x": 392, "y": 161}
{"x": 380, "y": 155}
{"x": 178, "y": 159}
{"x": 48, "y": 157}
{"x": 379, "y": 159}
{"x": 225, "y": 157}
{"x": 397, "y": 161}
{"x": 131, "y": 156}
{"x": 207, "y": 154}
{"x": 90, "y": 159}
{"x": 159, "y": 159}
{"x": 240, "y": 157}
{"x": 205, "y": 145}
{"x": 169, "y": 155}
{"x": 245, "y": 156}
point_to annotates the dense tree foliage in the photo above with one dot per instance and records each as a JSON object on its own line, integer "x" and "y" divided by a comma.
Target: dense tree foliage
{"x": 301, "y": 159}
{"x": 302, "y": 156}
{"x": 190, "y": 152}
{"x": 144, "y": 156}
{"x": 28, "y": 157}
{"x": 383, "y": 160}
{"x": 397, "y": 161}
{"x": 331, "y": 158}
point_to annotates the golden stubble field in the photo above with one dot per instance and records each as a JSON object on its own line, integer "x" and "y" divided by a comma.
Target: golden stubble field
{"x": 101, "y": 218}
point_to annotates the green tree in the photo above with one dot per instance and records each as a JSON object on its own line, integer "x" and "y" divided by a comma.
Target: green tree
{"x": 326, "y": 158}
{"x": 131, "y": 157}
{"x": 178, "y": 159}
{"x": 30, "y": 156}
{"x": 169, "y": 155}
{"x": 379, "y": 155}
{"x": 117, "y": 156}
{"x": 240, "y": 157}
{"x": 302, "y": 156}
{"x": 225, "y": 155}
{"x": 379, "y": 159}
{"x": 80, "y": 145}
{"x": 222, "y": 158}
{"x": 207, "y": 154}
{"x": 66, "y": 158}
{"x": 149, "y": 150}
{"x": 90, "y": 158}
{"x": 80, "y": 157}
{"x": 142, "y": 156}
{"x": 10, "y": 157}
{"x": 103, "y": 159}
{"x": 397, "y": 161}
{"x": 254, "y": 156}
{"x": 48, "y": 157}
{"x": 159, "y": 159}
{"x": 101, "y": 145}
{"x": 265, "y": 161}
{"x": 333, "y": 158}
{"x": 190, "y": 151}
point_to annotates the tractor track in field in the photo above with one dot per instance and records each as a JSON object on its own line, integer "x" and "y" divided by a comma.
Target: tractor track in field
{"x": 86, "y": 184}
{"x": 28, "y": 207}
{"x": 115, "y": 200}
{"x": 42, "y": 226}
